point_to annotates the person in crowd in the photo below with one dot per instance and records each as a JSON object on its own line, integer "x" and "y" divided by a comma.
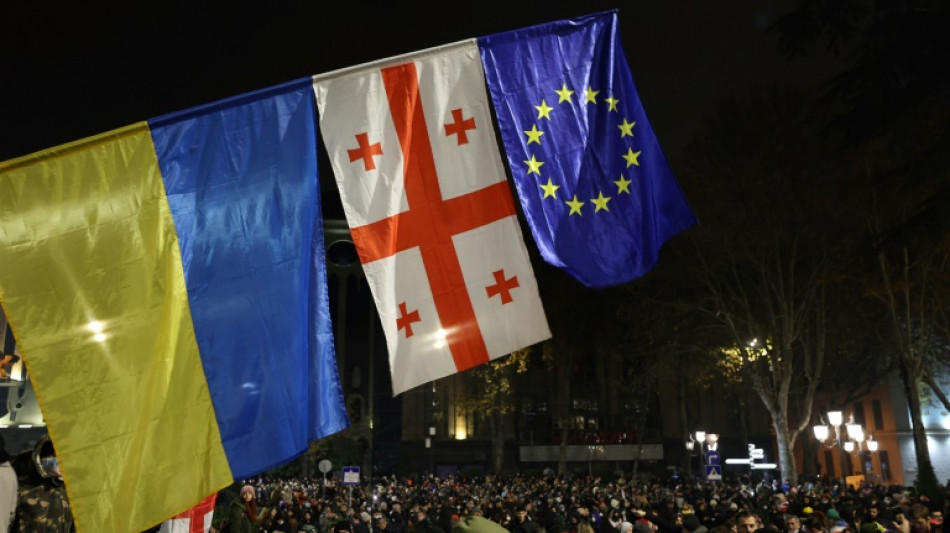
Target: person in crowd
{"x": 241, "y": 514}
{"x": 793, "y": 524}
{"x": 361, "y": 522}
{"x": 936, "y": 520}
{"x": 746, "y": 522}
{"x": 328, "y": 519}
{"x": 42, "y": 502}
{"x": 425, "y": 525}
{"x": 522, "y": 522}
{"x": 8, "y": 489}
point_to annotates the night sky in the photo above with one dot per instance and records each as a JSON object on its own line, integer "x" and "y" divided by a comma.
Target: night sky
{"x": 68, "y": 71}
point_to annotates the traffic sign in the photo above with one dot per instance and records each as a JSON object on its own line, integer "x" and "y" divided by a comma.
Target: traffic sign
{"x": 713, "y": 473}
{"x": 712, "y": 457}
{"x": 325, "y": 466}
{"x": 351, "y": 475}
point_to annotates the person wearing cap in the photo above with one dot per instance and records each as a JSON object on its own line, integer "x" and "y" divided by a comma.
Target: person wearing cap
{"x": 241, "y": 513}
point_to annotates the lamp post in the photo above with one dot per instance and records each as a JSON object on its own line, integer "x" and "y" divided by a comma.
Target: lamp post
{"x": 710, "y": 440}
{"x": 846, "y": 436}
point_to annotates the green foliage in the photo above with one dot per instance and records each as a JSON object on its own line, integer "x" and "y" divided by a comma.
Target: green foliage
{"x": 494, "y": 382}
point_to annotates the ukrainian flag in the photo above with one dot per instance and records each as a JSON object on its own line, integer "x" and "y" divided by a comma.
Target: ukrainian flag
{"x": 167, "y": 288}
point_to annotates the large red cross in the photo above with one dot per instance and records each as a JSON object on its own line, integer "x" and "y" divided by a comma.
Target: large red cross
{"x": 460, "y": 126}
{"x": 366, "y": 151}
{"x": 431, "y": 221}
{"x": 502, "y": 286}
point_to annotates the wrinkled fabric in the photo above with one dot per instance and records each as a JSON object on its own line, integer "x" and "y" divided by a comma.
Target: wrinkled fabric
{"x": 595, "y": 187}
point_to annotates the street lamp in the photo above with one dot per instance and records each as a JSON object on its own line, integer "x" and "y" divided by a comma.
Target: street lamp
{"x": 847, "y": 436}
{"x": 701, "y": 437}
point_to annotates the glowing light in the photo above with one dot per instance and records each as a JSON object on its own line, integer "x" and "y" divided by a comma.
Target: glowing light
{"x": 95, "y": 326}
{"x": 835, "y": 418}
{"x": 99, "y": 337}
{"x": 440, "y": 336}
{"x": 701, "y": 436}
{"x": 856, "y": 432}
{"x": 460, "y": 434}
{"x": 821, "y": 432}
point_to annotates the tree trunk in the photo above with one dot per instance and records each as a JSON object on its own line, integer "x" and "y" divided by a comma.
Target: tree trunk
{"x": 562, "y": 451}
{"x": 926, "y": 478}
{"x": 498, "y": 438}
{"x": 786, "y": 459}
{"x": 684, "y": 417}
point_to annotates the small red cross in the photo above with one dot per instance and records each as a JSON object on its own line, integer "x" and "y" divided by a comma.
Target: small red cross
{"x": 502, "y": 286}
{"x": 365, "y": 152}
{"x": 460, "y": 126}
{"x": 405, "y": 320}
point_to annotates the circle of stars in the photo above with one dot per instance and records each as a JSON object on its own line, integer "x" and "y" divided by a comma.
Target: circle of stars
{"x": 566, "y": 95}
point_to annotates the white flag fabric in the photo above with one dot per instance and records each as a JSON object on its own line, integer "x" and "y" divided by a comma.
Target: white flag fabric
{"x": 432, "y": 216}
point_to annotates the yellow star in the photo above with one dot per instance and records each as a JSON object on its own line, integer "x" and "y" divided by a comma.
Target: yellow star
{"x": 534, "y": 134}
{"x": 631, "y": 157}
{"x": 564, "y": 95}
{"x": 626, "y": 129}
{"x": 590, "y": 95}
{"x": 544, "y": 110}
{"x": 623, "y": 185}
{"x": 600, "y": 202}
{"x": 550, "y": 189}
{"x": 575, "y": 205}
{"x": 612, "y": 103}
{"x": 535, "y": 166}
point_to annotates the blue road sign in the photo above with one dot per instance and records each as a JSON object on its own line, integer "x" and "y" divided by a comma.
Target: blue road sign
{"x": 713, "y": 473}
{"x": 351, "y": 475}
{"x": 712, "y": 457}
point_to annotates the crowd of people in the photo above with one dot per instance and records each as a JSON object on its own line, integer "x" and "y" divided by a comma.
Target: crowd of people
{"x": 564, "y": 504}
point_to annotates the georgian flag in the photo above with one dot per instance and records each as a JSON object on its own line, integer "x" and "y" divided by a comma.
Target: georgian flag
{"x": 413, "y": 150}
{"x": 194, "y": 520}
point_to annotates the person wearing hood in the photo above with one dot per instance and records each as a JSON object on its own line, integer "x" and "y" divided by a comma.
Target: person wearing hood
{"x": 42, "y": 502}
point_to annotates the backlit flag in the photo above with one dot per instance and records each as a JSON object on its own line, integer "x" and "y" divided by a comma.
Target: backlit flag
{"x": 424, "y": 191}
{"x": 167, "y": 286}
{"x": 596, "y": 189}
{"x": 194, "y": 520}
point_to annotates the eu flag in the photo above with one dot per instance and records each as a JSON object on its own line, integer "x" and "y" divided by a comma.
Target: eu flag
{"x": 597, "y": 191}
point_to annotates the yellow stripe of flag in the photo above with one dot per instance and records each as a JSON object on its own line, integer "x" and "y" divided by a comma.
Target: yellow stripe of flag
{"x": 91, "y": 241}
